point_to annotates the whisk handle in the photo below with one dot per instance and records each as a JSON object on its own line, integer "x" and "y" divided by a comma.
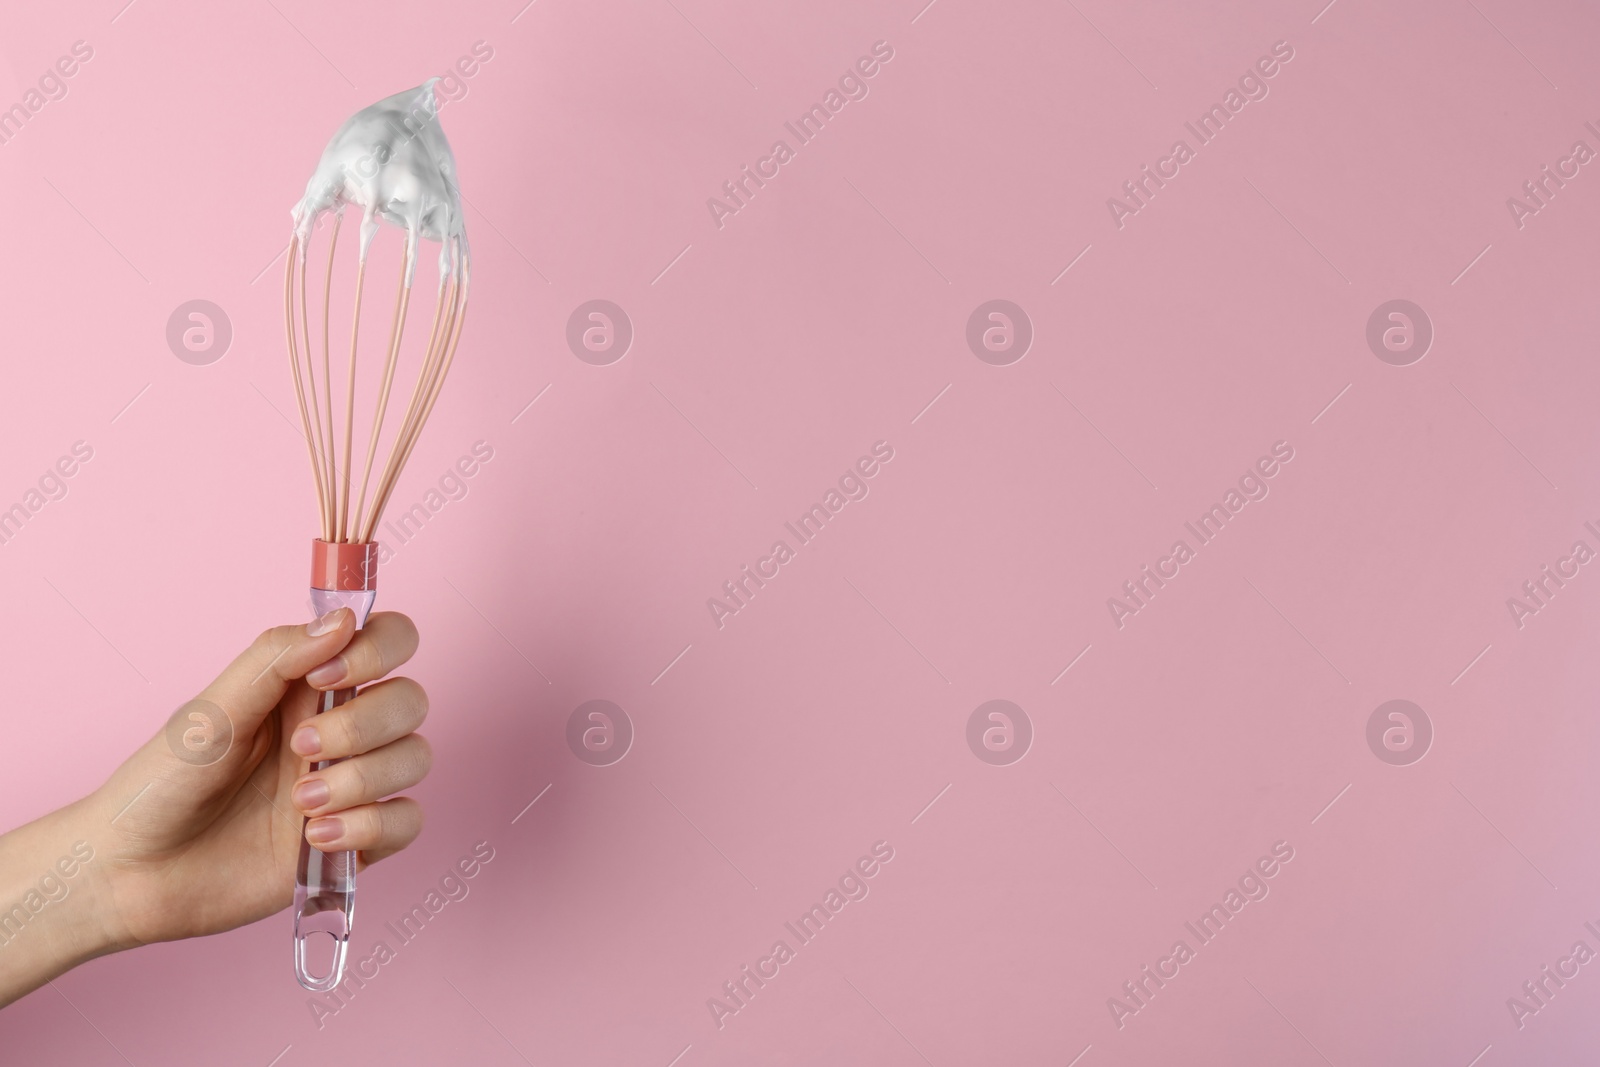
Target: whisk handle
{"x": 325, "y": 882}
{"x": 324, "y": 895}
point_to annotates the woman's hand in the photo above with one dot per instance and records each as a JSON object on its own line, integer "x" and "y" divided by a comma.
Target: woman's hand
{"x": 199, "y": 831}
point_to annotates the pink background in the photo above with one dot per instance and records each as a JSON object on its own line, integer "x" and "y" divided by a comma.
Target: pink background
{"x": 825, "y": 716}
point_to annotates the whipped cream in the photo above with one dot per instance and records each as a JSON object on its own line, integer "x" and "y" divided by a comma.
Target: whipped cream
{"x": 392, "y": 161}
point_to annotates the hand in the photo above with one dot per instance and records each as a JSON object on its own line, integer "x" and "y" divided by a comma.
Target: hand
{"x": 189, "y": 841}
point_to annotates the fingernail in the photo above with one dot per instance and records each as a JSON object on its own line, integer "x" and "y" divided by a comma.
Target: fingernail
{"x": 305, "y": 741}
{"x": 328, "y": 674}
{"x": 325, "y": 624}
{"x": 310, "y": 794}
{"x": 321, "y": 831}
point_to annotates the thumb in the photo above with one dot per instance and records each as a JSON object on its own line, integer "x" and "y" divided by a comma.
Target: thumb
{"x": 252, "y": 685}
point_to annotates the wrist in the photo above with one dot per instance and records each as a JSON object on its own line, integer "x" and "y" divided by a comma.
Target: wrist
{"x": 92, "y": 844}
{"x": 54, "y": 899}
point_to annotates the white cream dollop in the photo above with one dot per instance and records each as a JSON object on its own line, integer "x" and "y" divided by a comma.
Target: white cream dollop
{"x": 392, "y": 161}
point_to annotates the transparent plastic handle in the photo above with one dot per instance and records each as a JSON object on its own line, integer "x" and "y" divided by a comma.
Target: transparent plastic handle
{"x": 325, "y": 882}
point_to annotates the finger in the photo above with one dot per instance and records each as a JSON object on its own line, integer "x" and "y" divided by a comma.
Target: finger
{"x": 251, "y": 686}
{"x": 365, "y": 778}
{"x": 387, "y": 641}
{"x": 386, "y": 827}
{"x": 377, "y": 715}
{"x": 368, "y": 856}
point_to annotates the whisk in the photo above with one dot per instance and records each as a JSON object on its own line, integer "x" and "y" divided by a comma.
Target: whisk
{"x": 390, "y": 160}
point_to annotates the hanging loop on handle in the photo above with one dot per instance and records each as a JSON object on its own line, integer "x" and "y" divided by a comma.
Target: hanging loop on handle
{"x": 324, "y": 895}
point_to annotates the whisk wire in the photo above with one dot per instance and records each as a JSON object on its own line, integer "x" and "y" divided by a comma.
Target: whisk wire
{"x": 315, "y": 411}
{"x": 294, "y": 363}
{"x": 330, "y": 456}
{"x": 411, "y": 424}
{"x": 332, "y": 470}
{"x": 449, "y": 356}
{"x": 396, "y": 333}
{"x": 426, "y": 409}
{"x": 342, "y": 516}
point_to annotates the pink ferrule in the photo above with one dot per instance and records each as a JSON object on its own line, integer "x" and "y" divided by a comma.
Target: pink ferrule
{"x": 344, "y": 566}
